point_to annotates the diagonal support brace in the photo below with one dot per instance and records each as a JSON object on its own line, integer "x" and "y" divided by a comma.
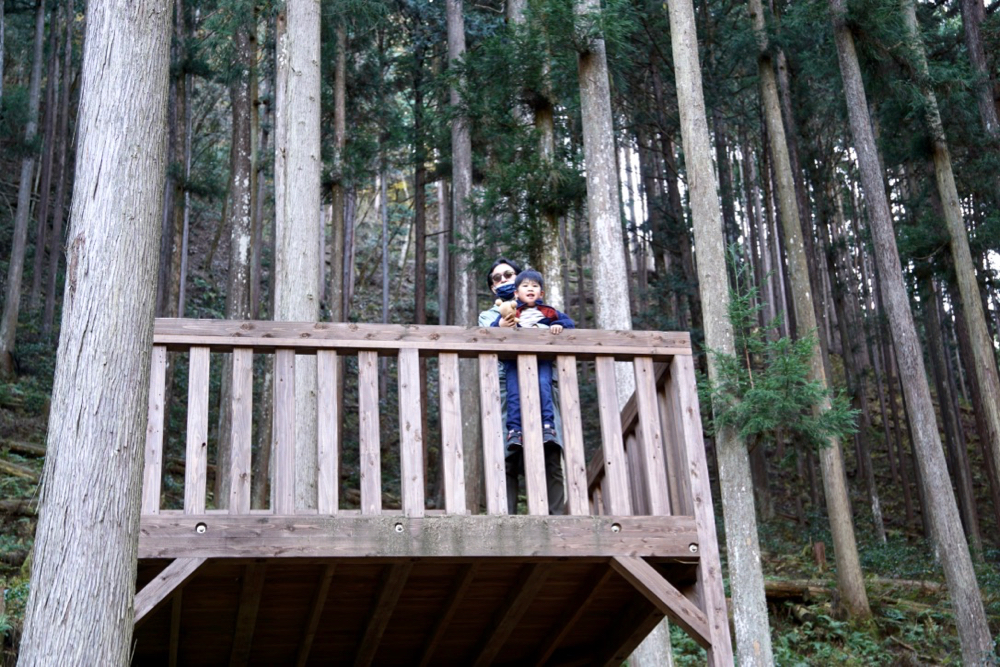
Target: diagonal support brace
{"x": 156, "y": 592}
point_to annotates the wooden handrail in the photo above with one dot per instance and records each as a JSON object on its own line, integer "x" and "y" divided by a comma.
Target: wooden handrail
{"x": 625, "y": 435}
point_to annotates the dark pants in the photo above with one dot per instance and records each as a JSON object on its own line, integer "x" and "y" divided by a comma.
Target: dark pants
{"x": 514, "y": 394}
{"x": 553, "y": 478}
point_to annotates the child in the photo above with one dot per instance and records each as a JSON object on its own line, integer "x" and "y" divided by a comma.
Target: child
{"x": 534, "y": 314}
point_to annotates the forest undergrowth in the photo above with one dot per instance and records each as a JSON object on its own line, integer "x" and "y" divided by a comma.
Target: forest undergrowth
{"x": 911, "y": 622}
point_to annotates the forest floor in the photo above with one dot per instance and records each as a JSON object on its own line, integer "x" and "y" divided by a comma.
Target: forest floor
{"x": 911, "y": 619}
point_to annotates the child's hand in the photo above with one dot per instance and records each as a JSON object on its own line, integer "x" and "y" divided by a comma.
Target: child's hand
{"x": 556, "y": 329}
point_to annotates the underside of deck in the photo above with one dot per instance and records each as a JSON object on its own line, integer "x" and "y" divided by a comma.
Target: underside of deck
{"x": 400, "y": 611}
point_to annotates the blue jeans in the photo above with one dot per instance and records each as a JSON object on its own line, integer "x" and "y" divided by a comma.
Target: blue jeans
{"x": 514, "y": 394}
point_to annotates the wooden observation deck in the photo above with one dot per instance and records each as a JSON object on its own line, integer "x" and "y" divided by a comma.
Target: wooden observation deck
{"x": 288, "y": 585}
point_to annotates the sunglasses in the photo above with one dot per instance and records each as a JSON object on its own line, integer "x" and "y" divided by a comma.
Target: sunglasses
{"x": 498, "y": 277}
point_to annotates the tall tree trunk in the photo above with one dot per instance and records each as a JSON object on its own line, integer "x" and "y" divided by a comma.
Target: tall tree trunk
{"x": 466, "y": 313}
{"x": 972, "y": 18}
{"x": 240, "y": 227}
{"x": 48, "y": 148}
{"x": 88, "y": 529}
{"x": 850, "y": 582}
{"x": 419, "y": 194}
{"x": 753, "y": 635}
{"x": 15, "y": 269}
{"x": 985, "y": 367}
{"x": 336, "y": 291}
{"x": 297, "y": 208}
{"x": 974, "y": 632}
{"x": 443, "y": 254}
{"x": 611, "y": 302}
{"x": 62, "y": 178}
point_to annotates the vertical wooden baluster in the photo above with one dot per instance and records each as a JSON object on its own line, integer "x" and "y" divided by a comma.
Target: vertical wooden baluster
{"x": 152, "y": 474}
{"x": 371, "y": 455}
{"x": 680, "y": 486}
{"x": 451, "y": 434}
{"x": 572, "y": 426}
{"x": 531, "y": 426}
{"x": 196, "y": 465}
{"x": 411, "y": 436}
{"x": 637, "y": 484}
{"x": 328, "y": 432}
{"x": 284, "y": 433}
{"x": 651, "y": 438}
{"x": 615, "y": 474}
{"x": 708, "y": 588}
{"x": 242, "y": 437}
{"x": 493, "y": 443}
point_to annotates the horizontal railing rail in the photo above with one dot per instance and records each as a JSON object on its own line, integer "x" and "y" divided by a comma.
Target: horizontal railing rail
{"x": 642, "y": 467}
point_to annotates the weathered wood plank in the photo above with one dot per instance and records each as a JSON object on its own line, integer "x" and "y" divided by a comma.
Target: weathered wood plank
{"x": 637, "y": 482}
{"x": 574, "y": 610}
{"x": 370, "y": 451}
{"x": 680, "y": 486}
{"x": 317, "y": 536}
{"x": 283, "y": 465}
{"x": 531, "y": 578}
{"x": 662, "y": 593}
{"x": 451, "y": 434}
{"x": 246, "y": 616}
{"x": 156, "y": 592}
{"x": 493, "y": 436}
{"x": 195, "y": 473}
{"x": 242, "y": 435}
{"x": 348, "y": 338}
{"x": 315, "y": 611}
{"x": 531, "y": 425}
{"x": 152, "y": 474}
{"x": 328, "y": 432}
{"x": 457, "y": 595}
{"x": 709, "y": 584}
{"x": 651, "y": 454}
{"x": 572, "y": 426}
{"x": 616, "y": 497}
{"x": 411, "y": 436}
{"x": 391, "y": 587}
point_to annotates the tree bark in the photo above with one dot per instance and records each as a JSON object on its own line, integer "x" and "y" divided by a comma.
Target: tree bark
{"x": 15, "y": 270}
{"x": 336, "y": 292}
{"x": 849, "y": 578}
{"x": 62, "y": 178}
{"x": 753, "y": 636}
{"x": 240, "y": 227}
{"x": 611, "y": 302}
{"x": 985, "y": 367}
{"x": 83, "y": 580}
{"x": 466, "y": 313}
{"x": 48, "y": 148}
{"x": 974, "y": 632}
{"x": 297, "y": 168}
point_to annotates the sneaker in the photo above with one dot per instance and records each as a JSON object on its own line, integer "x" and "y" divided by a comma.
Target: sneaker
{"x": 549, "y": 434}
{"x": 514, "y": 439}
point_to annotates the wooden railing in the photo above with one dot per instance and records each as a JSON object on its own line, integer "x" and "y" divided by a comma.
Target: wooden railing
{"x": 643, "y": 465}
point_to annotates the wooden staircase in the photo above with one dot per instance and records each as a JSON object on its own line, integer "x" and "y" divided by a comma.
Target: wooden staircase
{"x": 290, "y": 585}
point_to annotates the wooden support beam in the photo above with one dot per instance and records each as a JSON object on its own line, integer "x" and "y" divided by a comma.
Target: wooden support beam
{"x": 315, "y": 612}
{"x": 393, "y": 581}
{"x": 667, "y": 599}
{"x": 562, "y": 627}
{"x": 411, "y": 434}
{"x": 175, "y": 627}
{"x": 348, "y": 338}
{"x": 651, "y": 452}
{"x": 531, "y": 426}
{"x": 246, "y": 616}
{"x": 636, "y": 623}
{"x": 479, "y": 536}
{"x": 522, "y": 594}
{"x": 451, "y": 434}
{"x": 462, "y": 582}
{"x": 155, "y": 593}
{"x": 576, "y": 462}
{"x": 284, "y": 432}
{"x": 617, "y": 497}
{"x": 242, "y": 433}
{"x": 328, "y": 427}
